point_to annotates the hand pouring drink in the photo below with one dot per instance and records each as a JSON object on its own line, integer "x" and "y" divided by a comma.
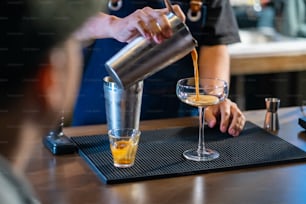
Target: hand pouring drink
{"x": 142, "y": 58}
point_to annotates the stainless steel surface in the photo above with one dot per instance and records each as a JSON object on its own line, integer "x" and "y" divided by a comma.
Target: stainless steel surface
{"x": 142, "y": 58}
{"x": 122, "y": 106}
{"x": 271, "y": 122}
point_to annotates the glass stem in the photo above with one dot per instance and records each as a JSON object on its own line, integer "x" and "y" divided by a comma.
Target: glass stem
{"x": 201, "y": 145}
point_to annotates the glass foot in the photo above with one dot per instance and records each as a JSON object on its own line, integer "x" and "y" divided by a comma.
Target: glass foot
{"x": 206, "y": 155}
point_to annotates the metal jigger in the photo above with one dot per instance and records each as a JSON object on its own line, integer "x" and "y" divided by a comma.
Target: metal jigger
{"x": 57, "y": 142}
{"x": 271, "y": 122}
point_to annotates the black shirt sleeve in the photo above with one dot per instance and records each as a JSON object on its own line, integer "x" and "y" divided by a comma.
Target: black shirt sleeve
{"x": 220, "y": 26}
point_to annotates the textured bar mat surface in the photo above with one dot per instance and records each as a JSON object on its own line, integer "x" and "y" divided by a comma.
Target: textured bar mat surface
{"x": 160, "y": 153}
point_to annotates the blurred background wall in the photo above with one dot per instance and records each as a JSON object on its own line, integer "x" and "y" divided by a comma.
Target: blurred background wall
{"x": 271, "y": 60}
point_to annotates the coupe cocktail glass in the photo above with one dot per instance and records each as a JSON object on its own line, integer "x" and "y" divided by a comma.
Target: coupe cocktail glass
{"x": 210, "y": 92}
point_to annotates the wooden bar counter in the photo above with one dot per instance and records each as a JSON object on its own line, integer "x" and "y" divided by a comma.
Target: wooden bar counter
{"x": 67, "y": 179}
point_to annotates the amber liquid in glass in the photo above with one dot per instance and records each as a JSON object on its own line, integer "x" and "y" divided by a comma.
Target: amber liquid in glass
{"x": 124, "y": 152}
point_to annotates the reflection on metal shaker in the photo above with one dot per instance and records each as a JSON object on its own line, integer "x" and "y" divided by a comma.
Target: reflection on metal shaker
{"x": 142, "y": 58}
{"x": 122, "y": 106}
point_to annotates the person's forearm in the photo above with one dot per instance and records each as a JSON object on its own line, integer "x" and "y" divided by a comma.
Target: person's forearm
{"x": 96, "y": 27}
{"x": 214, "y": 62}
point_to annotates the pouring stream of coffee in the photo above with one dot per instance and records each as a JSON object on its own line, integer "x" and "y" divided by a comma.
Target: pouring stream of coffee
{"x": 194, "y": 55}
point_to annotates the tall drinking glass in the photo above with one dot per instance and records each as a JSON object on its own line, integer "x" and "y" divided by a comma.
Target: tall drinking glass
{"x": 210, "y": 92}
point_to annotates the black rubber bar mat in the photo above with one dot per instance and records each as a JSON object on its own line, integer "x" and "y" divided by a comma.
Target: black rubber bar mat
{"x": 160, "y": 153}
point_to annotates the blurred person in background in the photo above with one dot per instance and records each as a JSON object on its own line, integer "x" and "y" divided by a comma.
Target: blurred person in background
{"x": 255, "y": 14}
{"x": 213, "y": 25}
{"x": 292, "y": 18}
{"x": 40, "y": 69}
{"x": 33, "y": 88}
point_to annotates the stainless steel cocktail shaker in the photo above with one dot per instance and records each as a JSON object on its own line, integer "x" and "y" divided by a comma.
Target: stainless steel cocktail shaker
{"x": 142, "y": 58}
{"x": 123, "y": 106}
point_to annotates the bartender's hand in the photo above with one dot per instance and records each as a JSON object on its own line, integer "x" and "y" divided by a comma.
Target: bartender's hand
{"x": 231, "y": 118}
{"x": 150, "y": 23}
